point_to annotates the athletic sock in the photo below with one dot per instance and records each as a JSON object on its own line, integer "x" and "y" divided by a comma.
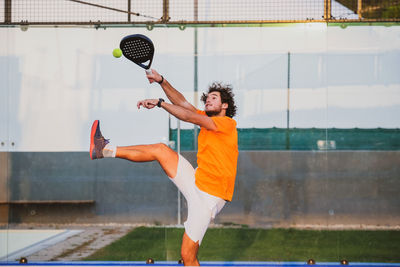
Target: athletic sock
{"x": 109, "y": 151}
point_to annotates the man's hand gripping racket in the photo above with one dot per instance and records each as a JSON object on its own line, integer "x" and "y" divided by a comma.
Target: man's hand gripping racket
{"x": 139, "y": 49}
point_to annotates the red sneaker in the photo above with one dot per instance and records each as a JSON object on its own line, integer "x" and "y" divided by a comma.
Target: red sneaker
{"x": 97, "y": 141}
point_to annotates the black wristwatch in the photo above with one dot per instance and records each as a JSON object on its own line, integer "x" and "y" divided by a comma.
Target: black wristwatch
{"x": 162, "y": 79}
{"x": 160, "y": 100}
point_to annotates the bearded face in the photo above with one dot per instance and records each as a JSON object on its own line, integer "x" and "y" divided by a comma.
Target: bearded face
{"x": 213, "y": 105}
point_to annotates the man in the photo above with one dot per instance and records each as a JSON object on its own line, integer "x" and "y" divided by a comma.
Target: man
{"x": 205, "y": 189}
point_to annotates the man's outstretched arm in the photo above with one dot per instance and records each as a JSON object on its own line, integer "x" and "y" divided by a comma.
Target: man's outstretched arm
{"x": 181, "y": 113}
{"x": 173, "y": 95}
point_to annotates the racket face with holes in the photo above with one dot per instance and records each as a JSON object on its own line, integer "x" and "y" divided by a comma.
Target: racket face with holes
{"x": 139, "y": 49}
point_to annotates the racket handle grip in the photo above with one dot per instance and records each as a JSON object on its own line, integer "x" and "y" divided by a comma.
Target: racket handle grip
{"x": 148, "y": 71}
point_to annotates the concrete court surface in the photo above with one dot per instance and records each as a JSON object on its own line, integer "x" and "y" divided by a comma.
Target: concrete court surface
{"x": 67, "y": 244}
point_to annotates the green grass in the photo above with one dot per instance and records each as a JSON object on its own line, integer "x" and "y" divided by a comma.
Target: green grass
{"x": 240, "y": 244}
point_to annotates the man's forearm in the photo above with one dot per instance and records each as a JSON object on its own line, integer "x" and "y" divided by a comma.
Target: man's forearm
{"x": 178, "y": 111}
{"x": 189, "y": 116}
{"x": 175, "y": 96}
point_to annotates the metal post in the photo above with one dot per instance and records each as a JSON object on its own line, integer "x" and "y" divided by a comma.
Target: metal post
{"x": 169, "y": 131}
{"x": 7, "y": 11}
{"x": 288, "y": 105}
{"x": 178, "y": 147}
{"x": 196, "y": 89}
{"x": 129, "y": 10}
{"x": 196, "y": 83}
{"x": 196, "y": 10}
{"x": 165, "y": 18}
{"x": 359, "y": 9}
{"x": 327, "y": 9}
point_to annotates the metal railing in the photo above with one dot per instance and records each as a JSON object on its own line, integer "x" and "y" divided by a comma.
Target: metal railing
{"x": 196, "y": 12}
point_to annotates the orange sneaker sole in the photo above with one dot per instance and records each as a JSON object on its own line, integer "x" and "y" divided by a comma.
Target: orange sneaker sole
{"x": 92, "y": 133}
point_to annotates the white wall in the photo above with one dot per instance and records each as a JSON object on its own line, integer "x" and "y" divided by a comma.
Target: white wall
{"x": 55, "y": 81}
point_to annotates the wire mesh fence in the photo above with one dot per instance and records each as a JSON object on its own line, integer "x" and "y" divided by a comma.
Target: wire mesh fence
{"x": 195, "y": 11}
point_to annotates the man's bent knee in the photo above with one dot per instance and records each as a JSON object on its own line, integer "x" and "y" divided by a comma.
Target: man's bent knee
{"x": 167, "y": 158}
{"x": 160, "y": 150}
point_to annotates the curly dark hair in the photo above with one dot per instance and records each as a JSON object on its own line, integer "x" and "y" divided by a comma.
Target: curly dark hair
{"x": 227, "y": 96}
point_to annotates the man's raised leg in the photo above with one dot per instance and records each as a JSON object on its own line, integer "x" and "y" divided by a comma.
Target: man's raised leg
{"x": 101, "y": 147}
{"x": 167, "y": 157}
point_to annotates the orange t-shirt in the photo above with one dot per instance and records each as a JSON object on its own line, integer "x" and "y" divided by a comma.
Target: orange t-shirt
{"x": 217, "y": 158}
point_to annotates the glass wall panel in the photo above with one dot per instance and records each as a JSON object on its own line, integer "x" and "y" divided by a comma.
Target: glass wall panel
{"x": 318, "y": 139}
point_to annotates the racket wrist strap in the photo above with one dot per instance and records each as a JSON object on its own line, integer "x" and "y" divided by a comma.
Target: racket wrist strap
{"x": 160, "y": 100}
{"x": 162, "y": 79}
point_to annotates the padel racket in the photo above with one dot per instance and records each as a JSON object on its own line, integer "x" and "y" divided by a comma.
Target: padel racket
{"x": 139, "y": 49}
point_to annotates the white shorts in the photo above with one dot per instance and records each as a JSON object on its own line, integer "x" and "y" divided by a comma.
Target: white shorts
{"x": 202, "y": 207}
